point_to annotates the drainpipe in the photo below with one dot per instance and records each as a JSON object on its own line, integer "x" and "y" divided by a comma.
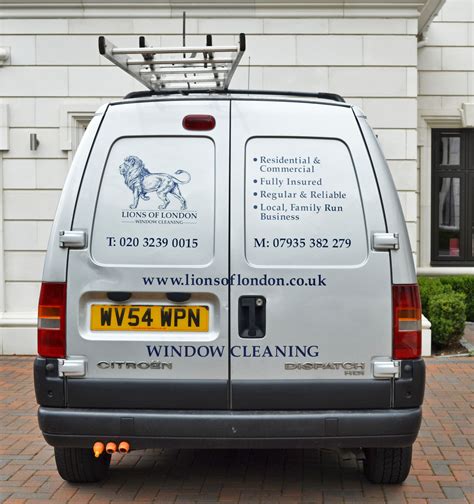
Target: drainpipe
{"x": 422, "y": 40}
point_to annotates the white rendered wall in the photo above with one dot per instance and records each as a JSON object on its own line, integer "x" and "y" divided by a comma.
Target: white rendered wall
{"x": 446, "y": 95}
{"x": 369, "y": 56}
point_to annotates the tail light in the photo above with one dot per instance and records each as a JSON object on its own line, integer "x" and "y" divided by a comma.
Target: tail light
{"x": 52, "y": 320}
{"x": 406, "y": 322}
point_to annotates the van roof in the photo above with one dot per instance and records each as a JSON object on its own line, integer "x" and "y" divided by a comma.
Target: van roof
{"x": 261, "y": 94}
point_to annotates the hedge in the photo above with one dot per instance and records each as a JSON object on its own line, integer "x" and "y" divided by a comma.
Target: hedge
{"x": 464, "y": 284}
{"x": 430, "y": 287}
{"x": 447, "y": 317}
{"x": 447, "y": 302}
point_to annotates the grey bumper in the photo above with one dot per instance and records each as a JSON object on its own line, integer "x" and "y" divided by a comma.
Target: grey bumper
{"x": 71, "y": 427}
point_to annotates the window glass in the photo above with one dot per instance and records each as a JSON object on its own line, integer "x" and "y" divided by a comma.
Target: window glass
{"x": 471, "y": 204}
{"x": 450, "y": 150}
{"x": 449, "y": 208}
{"x": 303, "y": 204}
{"x": 156, "y": 203}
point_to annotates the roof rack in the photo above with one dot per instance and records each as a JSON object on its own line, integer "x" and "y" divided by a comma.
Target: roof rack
{"x": 251, "y": 92}
{"x": 177, "y": 68}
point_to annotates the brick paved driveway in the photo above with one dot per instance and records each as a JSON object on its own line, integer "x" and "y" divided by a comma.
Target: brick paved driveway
{"x": 442, "y": 465}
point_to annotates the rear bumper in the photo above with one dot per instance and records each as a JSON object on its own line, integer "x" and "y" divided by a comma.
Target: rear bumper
{"x": 74, "y": 427}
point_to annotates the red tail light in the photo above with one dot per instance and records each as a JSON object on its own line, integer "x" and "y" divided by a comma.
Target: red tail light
{"x": 199, "y": 122}
{"x": 52, "y": 320}
{"x": 406, "y": 322}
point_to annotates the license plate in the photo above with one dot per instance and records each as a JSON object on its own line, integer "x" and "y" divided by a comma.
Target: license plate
{"x": 149, "y": 318}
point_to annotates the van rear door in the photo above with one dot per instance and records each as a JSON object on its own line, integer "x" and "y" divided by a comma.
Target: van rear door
{"x": 152, "y": 330}
{"x": 310, "y": 299}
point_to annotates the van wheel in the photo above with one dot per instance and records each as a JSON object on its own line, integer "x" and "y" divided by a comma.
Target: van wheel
{"x": 78, "y": 465}
{"x": 387, "y": 465}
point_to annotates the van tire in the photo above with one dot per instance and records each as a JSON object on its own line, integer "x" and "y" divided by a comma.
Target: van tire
{"x": 387, "y": 465}
{"x": 79, "y": 465}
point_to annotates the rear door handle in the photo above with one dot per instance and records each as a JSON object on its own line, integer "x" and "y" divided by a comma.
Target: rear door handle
{"x": 252, "y": 316}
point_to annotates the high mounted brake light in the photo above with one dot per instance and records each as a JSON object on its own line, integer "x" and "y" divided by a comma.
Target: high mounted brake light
{"x": 199, "y": 122}
{"x": 52, "y": 320}
{"x": 406, "y": 322}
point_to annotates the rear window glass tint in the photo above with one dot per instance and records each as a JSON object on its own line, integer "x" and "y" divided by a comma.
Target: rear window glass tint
{"x": 156, "y": 203}
{"x": 302, "y": 204}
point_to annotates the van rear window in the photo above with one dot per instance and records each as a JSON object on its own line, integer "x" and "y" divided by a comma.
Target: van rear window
{"x": 302, "y": 204}
{"x": 156, "y": 203}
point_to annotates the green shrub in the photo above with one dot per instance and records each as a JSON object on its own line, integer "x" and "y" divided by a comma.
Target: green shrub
{"x": 465, "y": 285}
{"x": 429, "y": 287}
{"x": 447, "y": 316}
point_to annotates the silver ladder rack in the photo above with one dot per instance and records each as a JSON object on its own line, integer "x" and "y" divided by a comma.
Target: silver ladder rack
{"x": 177, "y": 68}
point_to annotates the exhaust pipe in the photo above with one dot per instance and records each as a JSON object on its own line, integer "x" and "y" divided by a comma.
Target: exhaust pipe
{"x": 124, "y": 447}
{"x": 111, "y": 448}
{"x": 98, "y": 449}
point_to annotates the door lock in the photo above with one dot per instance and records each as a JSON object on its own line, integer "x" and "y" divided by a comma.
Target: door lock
{"x": 252, "y": 316}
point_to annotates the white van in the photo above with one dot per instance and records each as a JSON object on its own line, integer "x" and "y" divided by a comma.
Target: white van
{"x": 229, "y": 269}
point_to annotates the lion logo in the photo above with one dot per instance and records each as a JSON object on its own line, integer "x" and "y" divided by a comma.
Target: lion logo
{"x": 140, "y": 181}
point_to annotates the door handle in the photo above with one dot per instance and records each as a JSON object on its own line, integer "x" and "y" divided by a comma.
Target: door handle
{"x": 252, "y": 316}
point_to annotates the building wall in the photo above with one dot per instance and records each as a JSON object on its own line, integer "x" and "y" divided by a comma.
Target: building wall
{"x": 446, "y": 94}
{"x": 56, "y": 77}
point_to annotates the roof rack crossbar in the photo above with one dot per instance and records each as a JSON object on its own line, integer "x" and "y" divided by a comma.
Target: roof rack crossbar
{"x": 173, "y": 50}
{"x": 189, "y": 79}
{"x": 183, "y": 70}
{"x": 184, "y": 61}
{"x": 250, "y": 92}
{"x": 188, "y": 68}
{"x": 149, "y": 70}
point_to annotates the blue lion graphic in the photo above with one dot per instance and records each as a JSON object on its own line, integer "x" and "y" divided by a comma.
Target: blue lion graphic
{"x": 140, "y": 181}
